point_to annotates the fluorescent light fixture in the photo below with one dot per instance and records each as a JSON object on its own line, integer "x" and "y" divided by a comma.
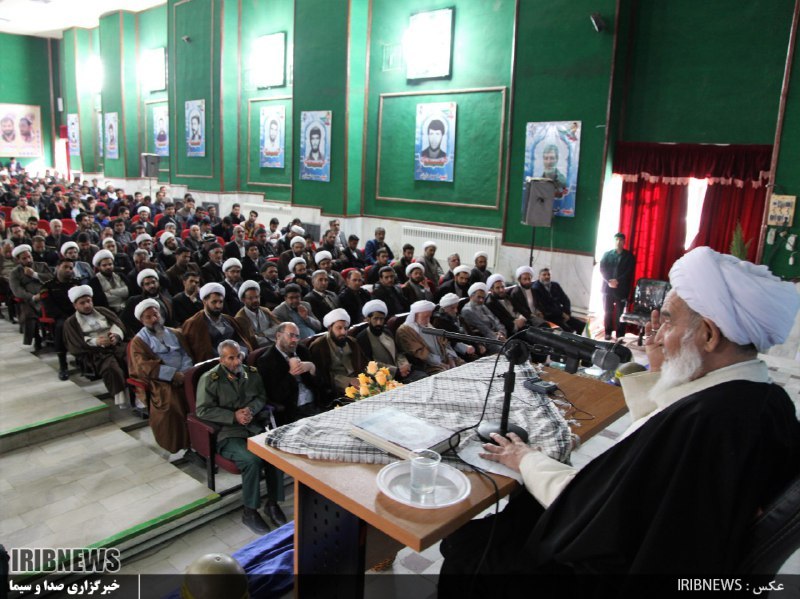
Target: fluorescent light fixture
{"x": 153, "y": 71}
{"x": 268, "y": 60}
{"x": 427, "y": 44}
{"x": 93, "y": 74}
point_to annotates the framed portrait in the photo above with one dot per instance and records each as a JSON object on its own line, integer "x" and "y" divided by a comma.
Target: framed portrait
{"x": 427, "y": 44}
{"x": 20, "y": 131}
{"x": 315, "y": 145}
{"x": 272, "y": 120}
{"x": 154, "y": 69}
{"x": 195, "y": 115}
{"x": 781, "y": 210}
{"x": 268, "y": 60}
{"x": 100, "y": 144}
{"x": 552, "y": 151}
{"x": 435, "y": 142}
{"x": 112, "y": 135}
{"x": 74, "y": 135}
{"x": 161, "y": 130}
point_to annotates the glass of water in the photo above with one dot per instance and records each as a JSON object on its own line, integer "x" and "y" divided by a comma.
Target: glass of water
{"x": 424, "y": 466}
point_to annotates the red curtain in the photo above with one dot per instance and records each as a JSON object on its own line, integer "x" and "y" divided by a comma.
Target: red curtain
{"x": 653, "y": 218}
{"x": 723, "y": 207}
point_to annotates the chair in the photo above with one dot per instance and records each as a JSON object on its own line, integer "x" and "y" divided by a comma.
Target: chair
{"x": 203, "y": 434}
{"x": 648, "y": 295}
{"x": 221, "y": 240}
{"x": 6, "y": 211}
{"x": 273, "y": 259}
{"x": 395, "y": 321}
{"x": 185, "y": 233}
{"x": 135, "y": 218}
{"x": 157, "y": 218}
{"x": 775, "y": 534}
{"x": 160, "y": 233}
{"x": 69, "y": 226}
{"x": 44, "y": 225}
{"x": 47, "y": 324}
{"x": 134, "y": 384}
{"x": 102, "y": 205}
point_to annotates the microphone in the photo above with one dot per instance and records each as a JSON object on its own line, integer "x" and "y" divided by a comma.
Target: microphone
{"x": 576, "y": 349}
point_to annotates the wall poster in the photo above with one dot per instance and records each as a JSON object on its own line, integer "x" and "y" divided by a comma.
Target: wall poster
{"x": 552, "y": 151}
{"x": 161, "y": 130}
{"x": 435, "y": 142}
{"x": 195, "y": 114}
{"x": 100, "y": 144}
{"x": 20, "y": 131}
{"x": 315, "y": 145}
{"x": 74, "y": 135}
{"x": 273, "y": 136}
{"x": 112, "y": 135}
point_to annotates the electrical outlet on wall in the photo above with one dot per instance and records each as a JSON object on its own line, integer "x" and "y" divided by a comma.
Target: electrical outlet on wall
{"x": 771, "y": 237}
{"x": 790, "y": 242}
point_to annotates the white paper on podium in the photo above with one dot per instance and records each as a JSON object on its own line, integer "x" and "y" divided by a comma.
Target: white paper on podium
{"x": 469, "y": 453}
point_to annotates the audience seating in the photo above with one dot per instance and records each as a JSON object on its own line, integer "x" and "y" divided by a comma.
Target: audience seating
{"x": 6, "y": 210}
{"x": 185, "y": 233}
{"x": 203, "y": 434}
{"x": 648, "y": 295}
{"x": 157, "y": 218}
{"x": 47, "y": 324}
{"x": 69, "y": 226}
{"x": 44, "y": 225}
{"x": 134, "y": 384}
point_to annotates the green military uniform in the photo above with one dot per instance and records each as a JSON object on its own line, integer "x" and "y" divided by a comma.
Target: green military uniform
{"x": 219, "y": 395}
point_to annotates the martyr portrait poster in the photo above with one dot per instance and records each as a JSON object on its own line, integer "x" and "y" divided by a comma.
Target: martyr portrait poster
{"x": 161, "y": 130}
{"x": 112, "y": 135}
{"x": 20, "y": 131}
{"x": 435, "y": 142}
{"x": 315, "y": 145}
{"x": 272, "y": 120}
{"x": 552, "y": 151}
{"x": 195, "y": 114}
{"x": 74, "y": 135}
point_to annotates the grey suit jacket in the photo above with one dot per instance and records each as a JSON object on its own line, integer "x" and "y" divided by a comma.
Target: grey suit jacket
{"x": 284, "y": 314}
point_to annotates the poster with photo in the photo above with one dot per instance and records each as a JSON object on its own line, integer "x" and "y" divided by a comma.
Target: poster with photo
{"x": 161, "y": 130}
{"x": 74, "y": 135}
{"x": 112, "y": 135}
{"x": 195, "y": 114}
{"x": 20, "y": 131}
{"x": 100, "y": 144}
{"x": 435, "y": 142}
{"x": 781, "y": 210}
{"x": 552, "y": 151}
{"x": 315, "y": 145}
{"x": 273, "y": 136}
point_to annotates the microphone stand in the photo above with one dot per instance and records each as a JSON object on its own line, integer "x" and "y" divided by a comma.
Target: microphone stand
{"x": 516, "y": 352}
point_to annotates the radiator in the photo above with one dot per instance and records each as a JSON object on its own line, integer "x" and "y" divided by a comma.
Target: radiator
{"x": 464, "y": 244}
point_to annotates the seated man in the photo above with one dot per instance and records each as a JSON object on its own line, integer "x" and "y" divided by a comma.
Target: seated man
{"x": 81, "y": 271}
{"x": 523, "y": 299}
{"x": 373, "y": 245}
{"x": 352, "y": 298}
{"x": 555, "y": 304}
{"x": 453, "y": 262}
{"x": 150, "y": 284}
{"x": 271, "y": 286}
{"x": 338, "y": 358}
{"x": 381, "y": 260}
{"x": 232, "y": 269}
{"x": 110, "y": 289}
{"x": 97, "y": 336}
{"x": 297, "y": 249}
{"x": 257, "y": 322}
{"x": 325, "y": 262}
{"x": 292, "y": 309}
{"x": 183, "y": 263}
{"x": 424, "y": 351}
{"x": 500, "y": 305}
{"x": 208, "y": 328}
{"x": 354, "y": 257}
{"x": 389, "y": 293}
{"x": 433, "y": 269}
{"x": 319, "y": 298}
{"x": 211, "y": 271}
{"x": 26, "y": 281}
{"x": 706, "y": 419}
{"x": 416, "y": 287}
{"x": 159, "y": 356}
{"x": 446, "y": 317}
{"x": 377, "y": 344}
{"x": 187, "y": 303}
{"x": 298, "y": 274}
{"x": 401, "y": 265}
{"x": 291, "y": 374}
{"x": 459, "y": 284}
{"x": 233, "y": 395}
{"x": 56, "y": 302}
{"x": 479, "y": 320}
{"x": 480, "y": 273}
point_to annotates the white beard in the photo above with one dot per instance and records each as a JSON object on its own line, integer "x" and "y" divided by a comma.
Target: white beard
{"x": 679, "y": 369}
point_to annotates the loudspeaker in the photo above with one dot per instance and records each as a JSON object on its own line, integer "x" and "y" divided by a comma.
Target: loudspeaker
{"x": 539, "y": 196}
{"x": 148, "y": 164}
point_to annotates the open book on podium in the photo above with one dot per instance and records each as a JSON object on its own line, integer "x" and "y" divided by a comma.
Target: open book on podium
{"x": 399, "y": 434}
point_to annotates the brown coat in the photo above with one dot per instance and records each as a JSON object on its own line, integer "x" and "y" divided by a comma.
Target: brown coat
{"x": 109, "y": 362}
{"x": 198, "y": 341}
{"x": 247, "y": 326}
{"x": 321, "y": 356}
{"x": 417, "y": 351}
{"x": 168, "y": 407}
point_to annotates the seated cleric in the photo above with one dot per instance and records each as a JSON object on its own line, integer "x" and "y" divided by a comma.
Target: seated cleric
{"x": 713, "y": 440}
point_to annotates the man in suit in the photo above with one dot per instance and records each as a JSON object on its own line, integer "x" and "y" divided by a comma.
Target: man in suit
{"x": 338, "y": 357}
{"x": 211, "y": 271}
{"x": 236, "y": 247}
{"x": 187, "y": 303}
{"x": 401, "y": 265}
{"x": 271, "y": 286}
{"x": 555, "y": 304}
{"x": 352, "y": 298}
{"x": 523, "y": 299}
{"x": 389, "y": 293}
{"x": 288, "y": 367}
{"x": 293, "y": 309}
{"x": 381, "y": 260}
{"x": 355, "y": 257}
{"x": 183, "y": 264}
{"x": 373, "y": 245}
{"x": 319, "y": 298}
{"x": 377, "y": 344}
{"x": 617, "y": 268}
{"x": 257, "y": 322}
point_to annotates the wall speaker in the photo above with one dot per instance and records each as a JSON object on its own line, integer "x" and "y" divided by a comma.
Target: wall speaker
{"x": 539, "y": 195}
{"x": 148, "y": 164}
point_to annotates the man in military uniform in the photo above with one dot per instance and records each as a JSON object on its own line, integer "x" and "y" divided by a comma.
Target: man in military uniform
{"x": 233, "y": 395}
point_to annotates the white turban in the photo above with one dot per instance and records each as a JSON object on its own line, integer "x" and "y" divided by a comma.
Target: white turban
{"x": 143, "y": 209}
{"x": 77, "y": 292}
{"x": 476, "y": 287}
{"x": 297, "y": 239}
{"x": 144, "y": 274}
{"x": 248, "y": 285}
{"x": 144, "y": 305}
{"x": 294, "y": 262}
{"x": 211, "y": 288}
{"x": 297, "y": 230}
{"x": 428, "y": 244}
{"x": 230, "y": 263}
{"x": 19, "y": 249}
{"x": 67, "y": 245}
{"x": 462, "y": 268}
{"x": 493, "y": 279}
{"x": 143, "y": 237}
{"x": 374, "y": 306}
{"x": 100, "y": 256}
{"x": 335, "y": 316}
{"x": 412, "y": 266}
{"x": 747, "y": 302}
{"x": 481, "y": 254}
{"x": 167, "y": 235}
{"x": 522, "y": 270}
{"x": 449, "y": 299}
{"x": 323, "y": 255}
{"x": 417, "y": 307}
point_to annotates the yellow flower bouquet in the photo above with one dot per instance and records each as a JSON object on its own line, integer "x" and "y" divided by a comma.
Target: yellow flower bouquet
{"x": 375, "y": 380}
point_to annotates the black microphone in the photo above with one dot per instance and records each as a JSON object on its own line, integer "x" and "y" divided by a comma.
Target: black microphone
{"x": 576, "y": 349}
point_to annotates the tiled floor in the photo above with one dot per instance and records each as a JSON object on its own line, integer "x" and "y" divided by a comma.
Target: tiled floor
{"x": 45, "y": 489}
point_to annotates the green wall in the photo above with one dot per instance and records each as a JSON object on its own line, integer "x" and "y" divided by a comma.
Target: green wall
{"x": 20, "y": 84}
{"x": 151, "y": 29}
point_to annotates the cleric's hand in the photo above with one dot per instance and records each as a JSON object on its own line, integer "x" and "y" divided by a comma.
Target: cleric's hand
{"x": 509, "y": 450}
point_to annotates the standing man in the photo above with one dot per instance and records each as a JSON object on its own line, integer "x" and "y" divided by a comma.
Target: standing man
{"x": 616, "y": 267}
{"x": 232, "y": 395}
{"x": 433, "y": 270}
